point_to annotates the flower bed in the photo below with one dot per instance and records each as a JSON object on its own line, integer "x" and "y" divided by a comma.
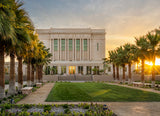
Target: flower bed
{"x": 55, "y": 110}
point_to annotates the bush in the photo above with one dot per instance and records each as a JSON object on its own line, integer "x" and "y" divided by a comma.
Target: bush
{"x": 65, "y": 106}
{"x": 4, "y": 99}
{"x": 27, "y": 106}
{"x": 6, "y": 81}
{"x": 86, "y": 106}
{"x": 47, "y": 108}
{"x": 7, "y": 106}
{"x": 67, "y": 111}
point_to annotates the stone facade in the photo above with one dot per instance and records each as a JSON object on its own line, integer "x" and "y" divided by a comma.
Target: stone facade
{"x": 74, "y": 50}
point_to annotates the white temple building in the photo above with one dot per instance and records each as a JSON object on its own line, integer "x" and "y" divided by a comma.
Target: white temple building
{"x": 74, "y": 50}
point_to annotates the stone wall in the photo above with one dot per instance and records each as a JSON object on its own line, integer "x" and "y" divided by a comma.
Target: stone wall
{"x": 102, "y": 78}
{"x": 137, "y": 77}
{"x": 16, "y": 76}
{"x": 50, "y": 77}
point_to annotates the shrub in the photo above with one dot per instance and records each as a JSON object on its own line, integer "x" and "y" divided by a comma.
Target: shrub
{"x": 67, "y": 111}
{"x": 65, "y": 106}
{"x": 7, "y": 106}
{"x": 47, "y": 108}
{"x": 27, "y": 106}
{"x": 86, "y": 106}
{"x": 36, "y": 114}
{"x": 6, "y": 81}
{"x": 24, "y": 85}
{"x": 4, "y": 99}
{"x": 52, "y": 114}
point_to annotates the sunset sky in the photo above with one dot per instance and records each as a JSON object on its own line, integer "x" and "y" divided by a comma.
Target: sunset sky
{"x": 122, "y": 19}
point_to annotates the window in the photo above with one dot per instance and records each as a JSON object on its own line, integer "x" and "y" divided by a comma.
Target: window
{"x": 55, "y": 44}
{"x": 97, "y": 46}
{"x": 70, "y": 44}
{"x": 78, "y": 44}
{"x": 47, "y": 70}
{"x": 63, "y": 69}
{"x": 85, "y": 44}
{"x": 80, "y": 69}
{"x": 89, "y": 69}
{"x": 109, "y": 69}
{"x": 96, "y": 70}
{"x": 54, "y": 70}
{"x": 62, "y": 44}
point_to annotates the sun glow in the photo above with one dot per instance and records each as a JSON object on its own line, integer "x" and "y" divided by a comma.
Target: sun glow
{"x": 156, "y": 63}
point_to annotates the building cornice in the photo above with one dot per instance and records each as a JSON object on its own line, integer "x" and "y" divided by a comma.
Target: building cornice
{"x": 70, "y": 31}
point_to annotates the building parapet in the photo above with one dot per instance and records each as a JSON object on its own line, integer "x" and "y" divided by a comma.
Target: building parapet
{"x": 70, "y": 31}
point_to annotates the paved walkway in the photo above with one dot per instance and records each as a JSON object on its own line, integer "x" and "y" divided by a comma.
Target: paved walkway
{"x": 38, "y": 96}
{"x": 143, "y": 89}
{"x": 120, "y": 108}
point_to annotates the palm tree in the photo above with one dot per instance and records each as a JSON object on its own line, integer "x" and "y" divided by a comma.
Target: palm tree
{"x": 112, "y": 56}
{"x": 142, "y": 51}
{"x": 7, "y": 36}
{"x": 22, "y": 26}
{"x": 121, "y": 59}
{"x": 130, "y": 51}
{"x": 153, "y": 40}
{"x": 43, "y": 58}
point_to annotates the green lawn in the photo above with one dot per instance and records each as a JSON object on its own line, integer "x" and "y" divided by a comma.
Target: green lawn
{"x": 65, "y": 91}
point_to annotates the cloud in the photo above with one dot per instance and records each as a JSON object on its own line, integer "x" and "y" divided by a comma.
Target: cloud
{"x": 120, "y": 18}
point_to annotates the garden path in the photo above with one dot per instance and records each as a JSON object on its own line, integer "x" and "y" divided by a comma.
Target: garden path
{"x": 119, "y": 108}
{"x": 38, "y": 96}
{"x": 143, "y": 89}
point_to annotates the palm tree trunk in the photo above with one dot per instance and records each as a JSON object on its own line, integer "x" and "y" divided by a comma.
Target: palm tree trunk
{"x": 12, "y": 87}
{"x": 153, "y": 72}
{"x": 142, "y": 71}
{"x": 129, "y": 74}
{"x": 40, "y": 69}
{"x": 39, "y": 75}
{"x": 32, "y": 75}
{"x": 123, "y": 73}
{"x": 36, "y": 73}
{"x": 114, "y": 71}
{"x": 117, "y": 66}
{"x": 2, "y": 82}
{"x": 28, "y": 74}
{"x": 20, "y": 74}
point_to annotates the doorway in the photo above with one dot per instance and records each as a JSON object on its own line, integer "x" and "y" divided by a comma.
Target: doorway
{"x": 72, "y": 69}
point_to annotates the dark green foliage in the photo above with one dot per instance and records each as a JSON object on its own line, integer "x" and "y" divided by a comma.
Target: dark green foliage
{"x": 4, "y": 99}
{"x": 65, "y": 106}
{"x": 6, "y": 81}
{"x": 47, "y": 108}
{"x": 86, "y": 106}
{"x": 27, "y": 106}
{"x": 7, "y": 106}
{"x": 67, "y": 111}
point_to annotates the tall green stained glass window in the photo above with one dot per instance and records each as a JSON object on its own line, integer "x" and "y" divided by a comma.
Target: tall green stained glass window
{"x": 97, "y": 46}
{"x": 55, "y": 44}
{"x": 78, "y": 44}
{"x": 85, "y": 44}
{"x": 62, "y": 44}
{"x": 70, "y": 44}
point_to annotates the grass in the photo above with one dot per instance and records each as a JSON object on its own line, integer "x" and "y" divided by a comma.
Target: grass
{"x": 100, "y": 92}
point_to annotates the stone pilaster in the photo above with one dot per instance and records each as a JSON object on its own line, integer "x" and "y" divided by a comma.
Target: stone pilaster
{"x": 76, "y": 72}
{"x": 59, "y": 69}
{"x": 67, "y": 70}
{"x": 84, "y": 70}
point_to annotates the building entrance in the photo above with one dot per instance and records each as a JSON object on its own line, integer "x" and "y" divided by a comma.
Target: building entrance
{"x": 72, "y": 69}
